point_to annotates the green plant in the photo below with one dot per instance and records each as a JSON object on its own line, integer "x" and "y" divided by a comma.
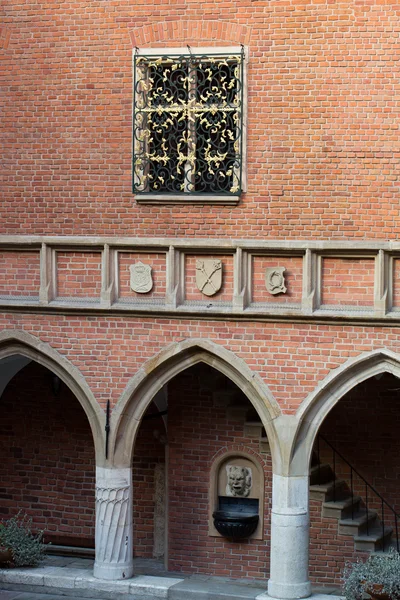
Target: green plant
{"x": 27, "y": 548}
{"x": 379, "y": 570}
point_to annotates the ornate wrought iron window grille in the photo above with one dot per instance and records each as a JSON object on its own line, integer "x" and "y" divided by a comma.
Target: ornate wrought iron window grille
{"x": 188, "y": 124}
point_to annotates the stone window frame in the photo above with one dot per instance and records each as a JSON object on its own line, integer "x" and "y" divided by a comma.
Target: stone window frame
{"x": 199, "y": 199}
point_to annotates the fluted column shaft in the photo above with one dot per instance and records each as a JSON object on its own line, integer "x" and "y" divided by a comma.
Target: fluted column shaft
{"x": 114, "y": 549}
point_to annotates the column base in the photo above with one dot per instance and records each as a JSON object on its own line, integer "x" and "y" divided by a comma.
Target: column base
{"x": 289, "y": 591}
{"x": 116, "y": 572}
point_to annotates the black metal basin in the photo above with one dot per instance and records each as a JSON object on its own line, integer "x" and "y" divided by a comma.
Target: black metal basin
{"x": 234, "y": 525}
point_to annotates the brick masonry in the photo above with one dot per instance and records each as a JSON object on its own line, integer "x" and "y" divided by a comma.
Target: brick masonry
{"x": 323, "y": 101}
{"x": 198, "y": 431}
{"x": 363, "y": 426}
{"x": 20, "y": 274}
{"x": 47, "y": 468}
{"x": 323, "y": 163}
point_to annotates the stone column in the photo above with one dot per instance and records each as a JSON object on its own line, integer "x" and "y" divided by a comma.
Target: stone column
{"x": 114, "y": 530}
{"x": 289, "y": 538}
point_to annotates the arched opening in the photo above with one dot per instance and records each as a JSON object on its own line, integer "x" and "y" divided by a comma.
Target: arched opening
{"x": 199, "y": 417}
{"x": 47, "y": 467}
{"x": 349, "y": 432}
{"x": 51, "y": 433}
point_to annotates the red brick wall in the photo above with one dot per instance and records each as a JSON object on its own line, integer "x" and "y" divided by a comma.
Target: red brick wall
{"x": 291, "y": 358}
{"x": 47, "y": 458}
{"x": 197, "y": 430}
{"x": 363, "y": 427}
{"x": 157, "y": 261}
{"x": 293, "y": 275}
{"x": 323, "y": 91}
{"x": 329, "y": 551}
{"x": 20, "y": 273}
{"x": 149, "y": 451}
{"x": 348, "y": 282}
{"x": 79, "y": 274}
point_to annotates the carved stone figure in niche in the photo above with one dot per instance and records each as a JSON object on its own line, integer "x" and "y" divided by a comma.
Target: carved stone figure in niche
{"x": 239, "y": 481}
{"x": 275, "y": 280}
{"x": 141, "y": 279}
{"x": 209, "y": 276}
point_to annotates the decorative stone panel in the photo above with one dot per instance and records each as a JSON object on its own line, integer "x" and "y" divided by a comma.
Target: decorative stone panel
{"x": 157, "y": 263}
{"x": 323, "y": 280}
{"x": 237, "y": 475}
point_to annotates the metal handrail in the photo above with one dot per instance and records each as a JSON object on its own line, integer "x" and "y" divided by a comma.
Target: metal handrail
{"x": 367, "y": 486}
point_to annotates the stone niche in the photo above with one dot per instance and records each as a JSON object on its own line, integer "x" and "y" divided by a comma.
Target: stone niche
{"x": 237, "y": 487}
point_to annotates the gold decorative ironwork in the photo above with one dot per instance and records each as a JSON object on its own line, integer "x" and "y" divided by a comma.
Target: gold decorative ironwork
{"x": 188, "y": 124}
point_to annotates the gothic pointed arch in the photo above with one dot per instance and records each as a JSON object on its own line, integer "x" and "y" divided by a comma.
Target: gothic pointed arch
{"x": 327, "y": 394}
{"x": 160, "y": 369}
{"x": 14, "y": 342}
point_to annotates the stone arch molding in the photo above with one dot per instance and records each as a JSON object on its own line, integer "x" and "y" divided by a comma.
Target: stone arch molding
{"x": 27, "y": 345}
{"x": 157, "y": 371}
{"x": 328, "y": 393}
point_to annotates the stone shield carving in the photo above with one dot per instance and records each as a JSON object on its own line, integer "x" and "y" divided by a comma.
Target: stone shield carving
{"x": 275, "y": 280}
{"x": 209, "y": 276}
{"x": 141, "y": 279}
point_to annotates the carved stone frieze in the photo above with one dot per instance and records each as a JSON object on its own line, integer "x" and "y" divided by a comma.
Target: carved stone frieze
{"x": 247, "y": 299}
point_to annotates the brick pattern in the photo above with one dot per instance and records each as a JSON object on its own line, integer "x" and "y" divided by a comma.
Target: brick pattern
{"x": 329, "y": 551}
{"x": 149, "y": 451}
{"x": 323, "y": 158}
{"x": 157, "y": 261}
{"x": 396, "y": 283}
{"x": 293, "y": 279}
{"x": 192, "y": 292}
{"x": 189, "y": 31}
{"x": 20, "y": 273}
{"x": 348, "y": 282}
{"x": 291, "y": 358}
{"x": 5, "y": 37}
{"x": 78, "y": 274}
{"x": 198, "y": 430}
{"x": 47, "y": 467}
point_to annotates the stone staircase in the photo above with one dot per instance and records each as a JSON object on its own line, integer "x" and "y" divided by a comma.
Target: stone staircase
{"x": 353, "y": 519}
{"x": 335, "y": 494}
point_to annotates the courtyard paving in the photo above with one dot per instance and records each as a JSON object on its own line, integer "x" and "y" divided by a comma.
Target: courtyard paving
{"x": 61, "y": 577}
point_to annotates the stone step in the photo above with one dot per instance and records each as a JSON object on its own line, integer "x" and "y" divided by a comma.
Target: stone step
{"x": 374, "y": 539}
{"x": 326, "y": 491}
{"x": 340, "y": 509}
{"x": 357, "y": 524}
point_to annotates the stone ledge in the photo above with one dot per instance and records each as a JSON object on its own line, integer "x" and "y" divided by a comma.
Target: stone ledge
{"x": 80, "y": 582}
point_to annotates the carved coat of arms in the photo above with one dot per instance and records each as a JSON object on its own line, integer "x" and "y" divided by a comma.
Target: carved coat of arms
{"x": 275, "y": 280}
{"x": 209, "y": 276}
{"x": 141, "y": 279}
